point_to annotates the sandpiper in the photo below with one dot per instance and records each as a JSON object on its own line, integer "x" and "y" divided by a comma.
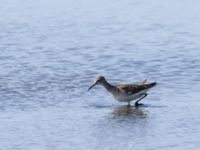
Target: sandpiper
{"x": 125, "y": 92}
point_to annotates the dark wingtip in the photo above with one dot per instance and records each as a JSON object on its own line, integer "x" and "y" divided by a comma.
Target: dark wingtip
{"x": 153, "y": 84}
{"x": 150, "y": 85}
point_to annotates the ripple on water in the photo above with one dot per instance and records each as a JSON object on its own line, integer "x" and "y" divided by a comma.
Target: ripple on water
{"x": 49, "y": 60}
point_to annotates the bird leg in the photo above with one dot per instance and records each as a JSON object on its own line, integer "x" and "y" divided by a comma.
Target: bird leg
{"x": 137, "y": 102}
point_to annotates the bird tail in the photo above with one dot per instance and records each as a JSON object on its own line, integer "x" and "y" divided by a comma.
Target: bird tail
{"x": 150, "y": 85}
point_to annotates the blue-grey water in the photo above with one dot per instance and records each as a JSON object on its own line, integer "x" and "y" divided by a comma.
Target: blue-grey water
{"x": 52, "y": 50}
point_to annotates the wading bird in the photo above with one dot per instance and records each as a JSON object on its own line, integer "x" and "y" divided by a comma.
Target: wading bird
{"x": 125, "y": 92}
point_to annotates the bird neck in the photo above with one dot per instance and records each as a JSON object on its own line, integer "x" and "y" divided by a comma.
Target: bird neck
{"x": 108, "y": 86}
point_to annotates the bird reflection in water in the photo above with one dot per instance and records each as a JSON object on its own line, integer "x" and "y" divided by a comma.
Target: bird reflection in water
{"x": 133, "y": 112}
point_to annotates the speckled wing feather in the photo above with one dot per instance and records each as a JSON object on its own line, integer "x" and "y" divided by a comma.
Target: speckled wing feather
{"x": 135, "y": 88}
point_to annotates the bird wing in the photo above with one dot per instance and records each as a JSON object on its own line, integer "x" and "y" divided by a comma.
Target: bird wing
{"x": 135, "y": 88}
{"x": 131, "y": 88}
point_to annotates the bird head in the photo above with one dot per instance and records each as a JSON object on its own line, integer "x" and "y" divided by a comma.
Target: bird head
{"x": 99, "y": 80}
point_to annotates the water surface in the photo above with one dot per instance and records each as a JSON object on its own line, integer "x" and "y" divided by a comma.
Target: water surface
{"x": 51, "y": 52}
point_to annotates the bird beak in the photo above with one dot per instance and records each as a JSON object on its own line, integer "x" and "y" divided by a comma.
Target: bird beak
{"x": 92, "y": 86}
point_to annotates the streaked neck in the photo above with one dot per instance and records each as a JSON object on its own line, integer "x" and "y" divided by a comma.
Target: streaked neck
{"x": 108, "y": 86}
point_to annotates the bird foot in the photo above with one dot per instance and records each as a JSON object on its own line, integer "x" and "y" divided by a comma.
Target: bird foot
{"x": 138, "y": 104}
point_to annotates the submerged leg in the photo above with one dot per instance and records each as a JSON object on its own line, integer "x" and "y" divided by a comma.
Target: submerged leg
{"x": 137, "y": 102}
{"x": 128, "y": 104}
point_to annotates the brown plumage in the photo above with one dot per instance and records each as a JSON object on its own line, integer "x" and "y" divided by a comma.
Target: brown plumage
{"x": 135, "y": 88}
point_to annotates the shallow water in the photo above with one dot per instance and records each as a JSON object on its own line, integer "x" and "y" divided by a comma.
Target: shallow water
{"x": 51, "y": 52}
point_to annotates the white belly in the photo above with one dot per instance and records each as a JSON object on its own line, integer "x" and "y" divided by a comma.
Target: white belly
{"x": 124, "y": 97}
